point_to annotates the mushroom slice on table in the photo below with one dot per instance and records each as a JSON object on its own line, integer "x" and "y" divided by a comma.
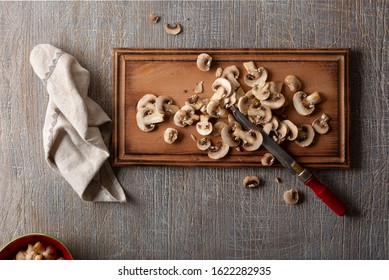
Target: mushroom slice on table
{"x": 227, "y": 134}
{"x": 215, "y": 110}
{"x": 218, "y": 127}
{"x": 204, "y": 126}
{"x": 228, "y": 101}
{"x": 170, "y": 135}
{"x": 199, "y": 87}
{"x": 254, "y": 75}
{"x": 267, "y": 159}
{"x": 218, "y": 151}
{"x": 231, "y": 73}
{"x": 147, "y": 117}
{"x": 148, "y": 100}
{"x": 195, "y": 101}
{"x": 261, "y": 91}
{"x": 153, "y": 18}
{"x": 306, "y": 133}
{"x": 275, "y": 87}
{"x": 164, "y": 105}
{"x": 275, "y": 101}
{"x": 291, "y": 196}
{"x": 259, "y": 114}
{"x": 293, "y": 83}
{"x": 172, "y": 28}
{"x": 185, "y": 116}
{"x": 244, "y": 104}
{"x": 320, "y": 125}
{"x": 293, "y": 130}
{"x": 250, "y": 182}
{"x": 251, "y": 140}
{"x": 281, "y": 132}
{"x": 271, "y": 125}
{"x": 203, "y": 144}
{"x": 304, "y": 103}
{"x": 218, "y": 72}
{"x": 222, "y": 88}
{"x": 204, "y": 61}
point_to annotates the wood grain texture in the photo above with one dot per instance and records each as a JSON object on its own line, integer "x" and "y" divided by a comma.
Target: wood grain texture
{"x": 195, "y": 213}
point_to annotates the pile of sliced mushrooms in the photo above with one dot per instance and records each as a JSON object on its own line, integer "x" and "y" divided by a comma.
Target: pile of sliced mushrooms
{"x": 38, "y": 252}
{"x": 263, "y": 104}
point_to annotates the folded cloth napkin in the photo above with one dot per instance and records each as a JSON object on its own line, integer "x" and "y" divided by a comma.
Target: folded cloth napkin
{"x": 76, "y": 130}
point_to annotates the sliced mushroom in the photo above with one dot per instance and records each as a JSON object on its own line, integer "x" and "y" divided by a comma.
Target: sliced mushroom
{"x": 227, "y": 134}
{"x": 218, "y": 72}
{"x": 170, "y": 135}
{"x": 203, "y": 144}
{"x": 291, "y": 196}
{"x": 260, "y": 114}
{"x": 250, "y": 182}
{"x": 275, "y": 87}
{"x": 293, "y": 131}
{"x": 215, "y": 110}
{"x": 233, "y": 135}
{"x": 222, "y": 88}
{"x": 254, "y": 75}
{"x": 251, "y": 139}
{"x": 218, "y": 151}
{"x": 204, "y": 61}
{"x": 239, "y": 92}
{"x": 204, "y": 126}
{"x": 21, "y": 255}
{"x": 275, "y": 101}
{"x": 50, "y": 253}
{"x": 153, "y": 18}
{"x": 147, "y": 117}
{"x": 185, "y": 116}
{"x": 250, "y": 66}
{"x": 37, "y": 252}
{"x": 231, "y": 118}
{"x": 246, "y": 101}
{"x": 293, "y": 83}
{"x": 199, "y": 87}
{"x": 271, "y": 125}
{"x": 281, "y": 132}
{"x": 172, "y": 28}
{"x": 231, "y": 73}
{"x": 320, "y": 125}
{"x": 195, "y": 101}
{"x": 32, "y": 255}
{"x": 203, "y": 108}
{"x": 38, "y": 247}
{"x": 306, "y": 133}
{"x": 146, "y": 101}
{"x": 212, "y": 107}
{"x": 267, "y": 159}
{"x": 261, "y": 91}
{"x": 217, "y": 128}
{"x": 164, "y": 105}
{"x": 305, "y": 104}
{"x": 244, "y": 104}
{"x": 229, "y": 101}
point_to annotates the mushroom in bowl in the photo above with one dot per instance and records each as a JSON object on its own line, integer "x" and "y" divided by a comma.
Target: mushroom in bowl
{"x": 35, "y": 246}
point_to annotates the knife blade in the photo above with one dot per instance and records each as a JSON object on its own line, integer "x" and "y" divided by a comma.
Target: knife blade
{"x": 305, "y": 176}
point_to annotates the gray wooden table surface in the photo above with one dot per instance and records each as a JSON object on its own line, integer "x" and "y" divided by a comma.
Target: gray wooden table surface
{"x": 195, "y": 213}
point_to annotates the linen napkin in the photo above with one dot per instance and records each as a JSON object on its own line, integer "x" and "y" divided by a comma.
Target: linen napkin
{"x": 76, "y": 131}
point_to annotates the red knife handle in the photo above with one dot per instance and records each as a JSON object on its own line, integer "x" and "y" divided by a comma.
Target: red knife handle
{"x": 327, "y": 196}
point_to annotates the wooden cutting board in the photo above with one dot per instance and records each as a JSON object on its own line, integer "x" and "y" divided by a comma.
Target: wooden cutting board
{"x": 174, "y": 73}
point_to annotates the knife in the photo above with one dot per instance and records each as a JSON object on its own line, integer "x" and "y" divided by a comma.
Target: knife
{"x": 325, "y": 194}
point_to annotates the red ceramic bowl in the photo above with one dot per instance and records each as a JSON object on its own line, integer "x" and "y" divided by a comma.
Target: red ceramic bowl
{"x": 9, "y": 251}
